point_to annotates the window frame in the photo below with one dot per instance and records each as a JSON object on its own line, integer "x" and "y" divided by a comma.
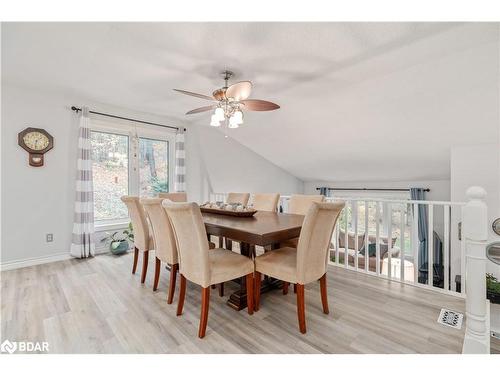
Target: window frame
{"x": 134, "y": 132}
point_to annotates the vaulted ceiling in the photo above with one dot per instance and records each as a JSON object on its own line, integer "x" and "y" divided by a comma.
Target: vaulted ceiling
{"x": 359, "y": 101}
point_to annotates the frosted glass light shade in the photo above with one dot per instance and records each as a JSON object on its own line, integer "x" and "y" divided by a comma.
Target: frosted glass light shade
{"x": 233, "y": 124}
{"x": 238, "y": 117}
{"x": 219, "y": 113}
{"x": 214, "y": 121}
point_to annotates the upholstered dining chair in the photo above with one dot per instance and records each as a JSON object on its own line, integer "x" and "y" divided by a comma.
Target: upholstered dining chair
{"x": 308, "y": 262}
{"x": 174, "y": 197}
{"x": 201, "y": 266}
{"x": 241, "y": 198}
{"x": 299, "y": 204}
{"x": 143, "y": 241}
{"x": 266, "y": 202}
{"x": 165, "y": 246}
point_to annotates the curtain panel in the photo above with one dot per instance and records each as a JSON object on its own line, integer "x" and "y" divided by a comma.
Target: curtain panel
{"x": 180, "y": 161}
{"x": 82, "y": 240}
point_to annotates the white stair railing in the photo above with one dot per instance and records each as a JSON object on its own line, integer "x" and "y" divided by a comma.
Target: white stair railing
{"x": 475, "y": 232}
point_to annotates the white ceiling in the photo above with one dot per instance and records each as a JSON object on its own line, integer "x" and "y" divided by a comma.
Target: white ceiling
{"x": 359, "y": 101}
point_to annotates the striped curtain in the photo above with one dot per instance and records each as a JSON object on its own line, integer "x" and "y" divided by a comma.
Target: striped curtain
{"x": 82, "y": 243}
{"x": 180, "y": 162}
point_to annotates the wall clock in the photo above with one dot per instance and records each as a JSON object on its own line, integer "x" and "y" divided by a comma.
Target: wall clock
{"x": 36, "y": 142}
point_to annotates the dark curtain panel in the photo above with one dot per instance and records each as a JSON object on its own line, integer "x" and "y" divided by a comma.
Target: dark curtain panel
{"x": 323, "y": 191}
{"x": 419, "y": 194}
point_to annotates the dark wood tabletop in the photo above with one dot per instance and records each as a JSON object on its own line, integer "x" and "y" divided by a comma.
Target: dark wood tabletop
{"x": 263, "y": 229}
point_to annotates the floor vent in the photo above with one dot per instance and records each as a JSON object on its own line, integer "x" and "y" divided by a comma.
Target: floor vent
{"x": 451, "y": 318}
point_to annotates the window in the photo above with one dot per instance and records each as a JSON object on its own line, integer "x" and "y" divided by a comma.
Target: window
{"x": 110, "y": 172}
{"x": 127, "y": 160}
{"x": 153, "y": 167}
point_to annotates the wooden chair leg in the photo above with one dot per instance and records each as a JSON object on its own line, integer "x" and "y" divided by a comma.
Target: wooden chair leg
{"x": 295, "y": 288}
{"x": 250, "y": 293}
{"x": 205, "y": 301}
{"x": 221, "y": 290}
{"x": 145, "y": 261}
{"x": 157, "y": 273}
{"x": 257, "y": 280}
{"x": 229, "y": 244}
{"x": 285, "y": 287}
{"x": 182, "y": 295}
{"x": 136, "y": 255}
{"x": 324, "y": 298}
{"x": 301, "y": 309}
{"x": 171, "y": 285}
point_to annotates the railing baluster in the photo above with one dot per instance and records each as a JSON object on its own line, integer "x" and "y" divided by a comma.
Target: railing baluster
{"x": 430, "y": 246}
{"x": 377, "y": 240}
{"x": 389, "y": 240}
{"x": 446, "y": 247}
{"x": 416, "y": 243}
{"x": 367, "y": 258}
{"x": 402, "y": 244}
{"x": 346, "y": 236}
{"x": 356, "y": 242}
{"x": 462, "y": 255}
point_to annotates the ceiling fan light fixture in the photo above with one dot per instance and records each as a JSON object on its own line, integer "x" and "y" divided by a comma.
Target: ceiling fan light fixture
{"x": 238, "y": 117}
{"x": 233, "y": 123}
{"x": 219, "y": 114}
{"x": 214, "y": 121}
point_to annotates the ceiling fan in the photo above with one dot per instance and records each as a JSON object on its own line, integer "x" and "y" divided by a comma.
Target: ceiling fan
{"x": 229, "y": 101}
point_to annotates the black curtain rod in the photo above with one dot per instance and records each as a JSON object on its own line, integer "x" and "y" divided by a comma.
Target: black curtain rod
{"x": 76, "y": 109}
{"x": 367, "y": 189}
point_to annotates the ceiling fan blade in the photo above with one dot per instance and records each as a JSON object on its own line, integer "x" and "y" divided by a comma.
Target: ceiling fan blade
{"x": 239, "y": 91}
{"x": 195, "y": 94}
{"x": 201, "y": 109}
{"x": 259, "y": 105}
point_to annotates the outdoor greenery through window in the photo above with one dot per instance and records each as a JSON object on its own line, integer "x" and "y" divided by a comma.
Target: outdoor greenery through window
{"x": 110, "y": 161}
{"x": 153, "y": 167}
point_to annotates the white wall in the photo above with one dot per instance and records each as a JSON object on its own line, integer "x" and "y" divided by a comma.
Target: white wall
{"x": 36, "y": 201}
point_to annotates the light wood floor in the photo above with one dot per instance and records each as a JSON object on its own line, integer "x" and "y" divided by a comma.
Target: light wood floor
{"x": 98, "y": 306}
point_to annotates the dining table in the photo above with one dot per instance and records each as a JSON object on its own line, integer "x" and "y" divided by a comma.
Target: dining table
{"x": 266, "y": 229}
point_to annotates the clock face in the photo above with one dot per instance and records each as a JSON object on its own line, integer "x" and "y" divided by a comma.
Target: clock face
{"x": 36, "y": 141}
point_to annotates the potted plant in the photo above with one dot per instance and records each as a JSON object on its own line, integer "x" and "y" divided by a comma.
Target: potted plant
{"x": 492, "y": 288}
{"x": 120, "y": 243}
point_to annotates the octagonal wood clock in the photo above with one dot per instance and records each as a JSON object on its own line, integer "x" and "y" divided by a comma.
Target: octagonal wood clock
{"x": 36, "y": 142}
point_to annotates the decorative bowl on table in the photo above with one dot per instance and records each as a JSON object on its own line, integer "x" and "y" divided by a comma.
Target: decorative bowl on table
{"x": 230, "y": 209}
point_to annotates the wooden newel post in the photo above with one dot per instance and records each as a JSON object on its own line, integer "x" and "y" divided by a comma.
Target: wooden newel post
{"x": 475, "y": 234}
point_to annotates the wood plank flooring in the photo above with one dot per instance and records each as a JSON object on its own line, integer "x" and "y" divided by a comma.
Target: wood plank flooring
{"x": 98, "y": 306}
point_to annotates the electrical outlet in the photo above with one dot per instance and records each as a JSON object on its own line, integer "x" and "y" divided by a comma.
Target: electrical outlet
{"x": 49, "y": 237}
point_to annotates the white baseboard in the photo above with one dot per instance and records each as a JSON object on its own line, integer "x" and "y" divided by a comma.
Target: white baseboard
{"x": 14, "y": 264}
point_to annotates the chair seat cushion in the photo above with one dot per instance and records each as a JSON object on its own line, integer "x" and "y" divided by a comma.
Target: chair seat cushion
{"x": 280, "y": 264}
{"x": 226, "y": 265}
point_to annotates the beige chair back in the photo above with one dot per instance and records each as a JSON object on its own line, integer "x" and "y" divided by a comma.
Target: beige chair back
{"x": 191, "y": 238}
{"x": 165, "y": 246}
{"x": 299, "y": 204}
{"x": 174, "y": 197}
{"x": 314, "y": 240}
{"x": 241, "y": 198}
{"x": 139, "y": 222}
{"x": 266, "y": 202}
